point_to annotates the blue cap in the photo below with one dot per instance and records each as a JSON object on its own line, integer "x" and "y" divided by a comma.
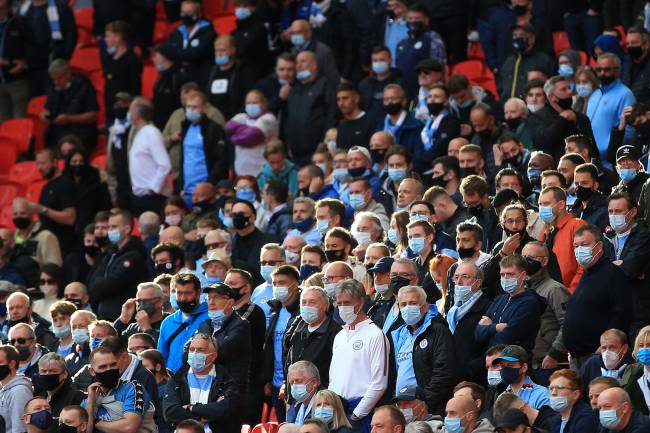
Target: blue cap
{"x": 411, "y": 392}
{"x": 383, "y": 265}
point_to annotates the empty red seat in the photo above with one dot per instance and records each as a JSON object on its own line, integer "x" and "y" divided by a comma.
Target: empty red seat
{"x": 225, "y": 25}
{"x": 86, "y": 60}
{"x": 160, "y": 32}
{"x": 560, "y": 42}
{"x": 7, "y": 217}
{"x": 475, "y": 51}
{"x": 21, "y": 130}
{"x": 84, "y": 19}
{"x": 99, "y": 161}
{"x": 35, "y": 107}
{"x": 149, "y": 78}
{"x": 24, "y": 173}
{"x": 266, "y": 427}
{"x": 33, "y": 191}
{"x": 478, "y": 74}
{"x": 218, "y": 8}
{"x": 8, "y": 192}
{"x": 7, "y": 156}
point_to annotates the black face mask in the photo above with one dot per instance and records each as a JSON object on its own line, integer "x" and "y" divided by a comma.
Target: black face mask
{"x": 416, "y": 27}
{"x": 50, "y": 174}
{"x": 565, "y": 103}
{"x": 78, "y": 170}
{"x": 101, "y": 241}
{"x": 532, "y": 266}
{"x": 476, "y": 211}
{"x": 334, "y": 255}
{"x": 377, "y": 155}
{"x": 465, "y": 253}
{"x": 22, "y": 222}
{"x": 521, "y": 233}
{"x": 514, "y": 161}
{"x": 439, "y": 181}
{"x": 146, "y": 306}
{"x": 201, "y": 206}
{"x": 187, "y": 307}
{"x": 48, "y": 382}
{"x": 393, "y": 108}
{"x": 467, "y": 171}
{"x": 356, "y": 172}
{"x": 605, "y": 80}
{"x": 635, "y": 52}
{"x": 643, "y": 129}
{"x": 41, "y": 419}
{"x": 435, "y": 108}
{"x": 120, "y": 112}
{"x": 108, "y": 378}
{"x": 583, "y": 193}
{"x": 164, "y": 268}
{"x": 23, "y": 353}
{"x": 91, "y": 251}
{"x": 484, "y": 134}
{"x": 240, "y": 222}
{"x": 390, "y": 14}
{"x": 513, "y": 123}
{"x": 76, "y": 302}
{"x": 397, "y": 283}
{"x": 4, "y": 371}
{"x": 65, "y": 428}
{"x": 189, "y": 20}
{"x": 519, "y": 10}
{"x": 17, "y": 321}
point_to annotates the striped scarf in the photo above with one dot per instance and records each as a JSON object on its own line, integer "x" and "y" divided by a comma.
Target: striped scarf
{"x": 52, "y": 17}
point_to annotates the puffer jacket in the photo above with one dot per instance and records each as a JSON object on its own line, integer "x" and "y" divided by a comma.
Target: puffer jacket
{"x": 13, "y": 397}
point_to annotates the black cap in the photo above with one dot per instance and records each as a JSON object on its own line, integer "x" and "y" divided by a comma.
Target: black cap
{"x": 504, "y": 197}
{"x": 513, "y": 418}
{"x": 512, "y": 354}
{"x": 429, "y": 65}
{"x": 411, "y": 392}
{"x": 627, "y": 151}
{"x": 222, "y": 289}
{"x": 527, "y": 27}
{"x": 383, "y": 265}
{"x": 164, "y": 49}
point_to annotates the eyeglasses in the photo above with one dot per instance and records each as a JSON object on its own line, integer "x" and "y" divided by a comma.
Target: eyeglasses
{"x": 600, "y": 69}
{"x": 462, "y": 277}
{"x": 401, "y": 275}
{"x": 270, "y": 262}
{"x": 215, "y": 245}
{"x": 44, "y": 281}
{"x": 515, "y": 221}
{"x": 19, "y": 341}
{"x": 330, "y": 278}
{"x": 559, "y": 388}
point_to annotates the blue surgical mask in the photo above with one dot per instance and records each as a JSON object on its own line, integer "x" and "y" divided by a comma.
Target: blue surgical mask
{"x": 584, "y": 255}
{"x": 494, "y": 377}
{"x": 462, "y": 293}
{"x": 216, "y": 315}
{"x": 61, "y": 331}
{"x": 214, "y": 280}
{"x": 565, "y": 70}
{"x": 95, "y": 342}
{"x": 411, "y": 314}
{"x": 357, "y": 201}
{"x": 322, "y": 226}
{"x": 309, "y": 314}
{"x": 324, "y": 413}
{"x": 340, "y": 174}
{"x": 281, "y": 293}
{"x": 226, "y": 220}
{"x": 196, "y": 360}
{"x": 608, "y": 418}
{"x": 418, "y": 217}
{"x": 643, "y": 355}
{"x": 265, "y": 271}
{"x": 584, "y": 90}
{"x": 417, "y": 245}
{"x": 298, "y": 40}
{"x": 380, "y": 68}
{"x": 393, "y": 237}
{"x": 192, "y": 115}
{"x": 618, "y": 223}
{"x": 253, "y": 110}
{"x": 534, "y": 174}
{"x": 558, "y": 404}
{"x": 323, "y": 168}
{"x": 453, "y": 425}
{"x": 114, "y": 236}
{"x": 173, "y": 301}
{"x": 546, "y": 214}
{"x": 627, "y": 174}
{"x": 299, "y": 392}
{"x": 330, "y": 289}
{"x": 222, "y": 60}
{"x": 242, "y": 13}
{"x": 80, "y": 336}
{"x": 304, "y": 225}
{"x": 509, "y": 285}
{"x": 247, "y": 194}
{"x": 397, "y": 174}
{"x": 303, "y": 75}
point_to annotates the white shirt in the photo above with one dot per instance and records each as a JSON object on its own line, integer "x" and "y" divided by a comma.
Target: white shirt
{"x": 359, "y": 366}
{"x": 148, "y": 161}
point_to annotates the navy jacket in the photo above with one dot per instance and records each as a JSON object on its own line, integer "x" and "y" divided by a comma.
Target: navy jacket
{"x": 449, "y": 128}
{"x": 409, "y": 134}
{"x": 581, "y": 420}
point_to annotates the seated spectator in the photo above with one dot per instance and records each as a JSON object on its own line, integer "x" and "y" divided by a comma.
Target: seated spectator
{"x": 312, "y": 259}
{"x": 303, "y": 379}
{"x": 597, "y": 386}
{"x": 534, "y": 95}
{"x": 139, "y": 342}
{"x": 38, "y": 242}
{"x": 388, "y": 417}
{"x": 516, "y": 115}
{"x": 75, "y": 417}
{"x": 143, "y": 313}
{"x": 356, "y": 126}
{"x": 590, "y": 204}
{"x": 77, "y": 294}
{"x": 61, "y": 312}
{"x": 446, "y": 174}
{"x": 276, "y": 86}
{"x": 514, "y": 373}
{"x": 463, "y": 411}
{"x": 635, "y": 70}
{"x": 302, "y": 39}
{"x": 278, "y": 168}
{"x": 585, "y": 84}
{"x": 403, "y": 126}
{"x": 463, "y": 96}
{"x": 509, "y": 408}
{"x": 15, "y": 392}
{"x": 565, "y": 391}
{"x": 79, "y": 323}
{"x": 312, "y": 183}
{"x": 55, "y": 382}
{"x": 383, "y": 73}
{"x": 153, "y": 361}
{"x": 616, "y": 413}
{"x": 607, "y": 179}
{"x": 99, "y": 330}
{"x": 328, "y": 408}
{"x": 37, "y": 415}
{"x": 217, "y": 407}
{"x": 304, "y": 221}
{"x": 20, "y": 311}
{"x": 51, "y": 286}
{"x": 23, "y": 338}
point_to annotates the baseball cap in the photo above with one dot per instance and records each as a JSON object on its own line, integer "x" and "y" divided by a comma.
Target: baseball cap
{"x": 216, "y": 256}
{"x": 383, "y": 265}
{"x": 627, "y": 151}
{"x": 504, "y": 197}
{"x": 361, "y": 149}
{"x": 512, "y": 354}
{"x": 222, "y": 289}
{"x": 513, "y": 418}
{"x": 429, "y": 65}
{"x": 410, "y": 392}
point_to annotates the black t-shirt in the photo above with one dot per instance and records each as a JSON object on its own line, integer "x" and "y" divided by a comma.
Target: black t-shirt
{"x": 220, "y": 91}
{"x": 58, "y": 194}
{"x": 122, "y": 75}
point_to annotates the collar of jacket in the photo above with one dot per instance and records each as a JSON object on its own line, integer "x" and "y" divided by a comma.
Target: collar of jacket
{"x": 293, "y": 308}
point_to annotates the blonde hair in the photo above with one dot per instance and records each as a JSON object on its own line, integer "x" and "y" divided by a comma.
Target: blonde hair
{"x": 644, "y": 335}
{"x": 330, "y": 398}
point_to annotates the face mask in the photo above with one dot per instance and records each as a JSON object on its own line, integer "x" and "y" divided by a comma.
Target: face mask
{"x": 534, "y": 107}
{"x": 196, "y": 361}
{"x": 397, "y": 283}
{"x": 465, "y": 253}
{"x": 292, "y": 258}
{"x": 509, "y": 375}
{"x": 643, "y": 355}
{"x": 173, "y": 220}
{"x": 22, "y": 223}
{"x": 546, "y": 214}
{"x": 330, "y": 289}
{"x": 64, "y": 428}
{"x": 247, "y": 194}
{"x": 222, "y": 60}
{"x": 532, "y": 266}
{"x": 393, "y": 237}
{"x": 304, "y": 225}
{"x": 627, "y": 174}
{"x": 408, "y": 414}
{"x": 610, "y": 359}
{"x": 584, "y": 193}
{"x": 303, "y": 75}
{"x": 297, "y": 40}
{"x": 494, "y": 377}
{"x": 253, "y": 110}
{"x": 111, "y": 50}
{"x": 513, "y": 123}
{"x": 583, "y": 255}
{"x": 510, "y": 285}
{"x": 240, "y": 222}
{"x": 109, "y": 378}
{"x": 377, "y": 155}
{"x": 173, "y": 301}
{"x": 102, "y": 241}
{"x": 324, "y": 413}
{"x": 362, "y": 238}
{"x": 192, "y": 115}
{"x": 4, "y": 371}
{"x": 467, "y": 171}
{"x": 23, "y": 353}
{"x": 334, "y": 255}
{"x": 520, "y": 44}
{"x": 381, "y": 288}
{"x": 608, "y": 418}
{"x": 323, "y": 168}
{"x": 439, "y": 181}
{"x": 347, "y": 313}
{"x": 618, "y": 223}
{"x": 357, "y": 201}
{"x": 534, "y": 175}
{"x": 162, "y": 268}
{"x": 114, "y": 236}
{"x": 435, "y": 108}
{"x": 48, "y": 382}
{"x": 189, "y": 20}
{"x": 558, "y": 404}
{"x": 309, "y": 314}
{"x": 322, "y": 226}
{"x": 380, "y": 68}
{"x": 340, "y": 174}
{"x": 120, "y": 112}
{"x": 584, "y": 90}
{"x": 519, "y": 10}
{"x": 242, "y": 13}
{"x": 415, "y": 27}
{"x": 80, "y": 336}
{"x": 61, "y": 331}
{"x": 397, "y": 174}
{"x": 95, "y": 342}
{"x": 565, "y": 71}
{"x": 187, "y": 307}
{"x": 565, "y": 103}
{"x": 356, "y": 172}
{"x": 265, "y": 271}
{"x": 281, "y": 293}
{"x": 462, "y": 293}
{"x": 417, "y": 245}
{"x": 411, "y": 314}
{"x": 307, "y": 271}
{"x": 604, "y": 80}
{"x": 216, "y": 317}
{"x": 299, "y": 392}
{"x": 146, "y": 306}
{"x": 393, "y": 109}
{"x": 41, "y": 419}
{"x": 453, "y": 425}
{"x": 48, "y": 289}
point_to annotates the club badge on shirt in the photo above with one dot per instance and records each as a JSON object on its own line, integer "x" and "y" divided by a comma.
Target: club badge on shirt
{"x": 357, "y": 345}
{"x": 219, "y": 87}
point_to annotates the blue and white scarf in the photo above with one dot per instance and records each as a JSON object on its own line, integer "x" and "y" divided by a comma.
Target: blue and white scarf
{"x": 188, "y": 35}
{"x": 458, "y": 311}
{"x": 394, "y": 129}
{"x": 200, "y": 389}
{"x": 317, "y": 13}
{"x": 52, "y": 17}
{"x": 430, "y": 128}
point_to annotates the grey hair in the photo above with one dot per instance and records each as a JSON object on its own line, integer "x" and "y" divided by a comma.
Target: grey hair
{"x": 149, "y": 285}
{"x": 308, "y": 368}
{"x": 549, "y": 85}
{"x": 50, "y": 359}
{"x": 149, "y": 223}
{"x": 611, "y": 56}
{"x": 273, "y": 246}
{"x": 519, "y": 102}
{"x": 88, "y": 314}
{"x": 305, "y": 200}
{"x": 418, "y": 427}
{"x": 319, "y": 290}
{"x": 209, "y": 338}
{"x": 477, "y": 270}
{"x": 370, "y": 216}
{"x": 317, "y": 421}
{"x": 58, "y": 66}
{"x": 412, "y": 289}
{"x": 407, "y": 262}
{"x": 223, "y": 234}
{"x": 352, "y": 287}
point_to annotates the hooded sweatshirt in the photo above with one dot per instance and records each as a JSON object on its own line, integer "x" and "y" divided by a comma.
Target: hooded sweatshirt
{"x": 13, "y": 397}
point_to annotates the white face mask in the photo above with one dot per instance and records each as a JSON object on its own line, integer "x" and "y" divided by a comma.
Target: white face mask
{"x": 48, "y": 289}
{"x": 610, "y": 359}
{"x": 292, "y": 258}
{"x": 381, "y": 288}
{"x": 363, "y": 238}
{"x": 347, "y": 313}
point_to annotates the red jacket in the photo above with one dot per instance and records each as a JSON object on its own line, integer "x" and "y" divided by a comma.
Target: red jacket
{"x": 565, "y": 228}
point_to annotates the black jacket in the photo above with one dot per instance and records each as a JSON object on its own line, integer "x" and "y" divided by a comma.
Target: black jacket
{"x": 252, "y": 44}
{"x": 123, "y": 269}
{"x": 582, "y": 419}
{"x": 255, "y": 316}
{"x": 639, "y": 423}
{"x": 434, "y": 363}
{"x": 166, "y": 98}
{"x": 469, "y": 352}
{"x": 636, "y": 76}
{"x": 372, "y": 93}
{"x": 269, "y": 348}
{"x": 241, "y": 78}
{"x": 14, "y": 36}
{"x": 216, "y": 150}
{"x": 355, "y": 132}
{"x": 91, "y": 196}
{"x": 196, "y": 56}
{"x": 449, "y": 128}
{"x": 41, "y": 48}
{"x": 246, "y": 252}
{"x": 44, "y": 336}
{"x": 595, "y": 212}
{"x": 223, "y": 402}
{"x": 128, "y": 329}
{"x": 67, "y": 395}
{"x": 378, "y": 312}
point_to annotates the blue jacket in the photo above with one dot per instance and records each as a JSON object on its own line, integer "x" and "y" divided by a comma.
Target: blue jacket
{"x": 172, "y": 351}
{"x": 521, "y": 313}
{"x": 604, "y": 109}
{"x": 410, "y": 51}
{"x": 288, "y": 175}
{"x": 408, "y": 135}
{"x": 582, "y": 419}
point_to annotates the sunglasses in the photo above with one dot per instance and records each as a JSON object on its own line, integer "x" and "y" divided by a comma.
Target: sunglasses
{"x": 19, "y": 341}
{"x": 45, "y": 281}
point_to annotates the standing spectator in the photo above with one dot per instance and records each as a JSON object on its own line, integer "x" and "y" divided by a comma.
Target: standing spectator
{"x": 611, "y": 362}
{"x": 190, "y": 45}
{"x": 71, "y": 106}
{"x": 51, "y": 34}
{"x": 392, "y": 27}
{"x": 463, "y": 97}
{"x": 167, "y": 87}
{"x": 516, "y": 114}
{"x": 590, "y": 204}
{"x": 107, "y": 11}
{"x": 401, "y": 124}
{"x": 15, "y": 392}
{"x": 636, "y": 71}
{"x": 149, "y": 155}
{"x": 117, "y": 160}
{"x": 430, "y": 73}
{"x": 124, "y": 266}
{"x": 41, "y": 244}
{"x": 122, "y": 68}
{"x": 251, "y": 37}
{"x": 371, "y": 88}
{"x": 593, "y": 308}
{"x": 583, "y": 23}
{"x": 14, "y": 84}
{"x": 630, "y": 172}
{"x": 356, "y": 126}
{"x": 277, "y": 85}
{"x": 302, "y": 39}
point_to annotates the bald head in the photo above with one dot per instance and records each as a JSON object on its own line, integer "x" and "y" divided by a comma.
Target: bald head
{"x": 463, "y": 408}
{"x": 21, "y": 205}
{"x": 306, "y": 61}
{"x": 204, "y": 191}
{"x": 613, "y": 396}
{"x": 173, "y": 234}
{"x": 515, "y": 108}
{"x": 302, "y": 27}
{"x": 339, "y": 268}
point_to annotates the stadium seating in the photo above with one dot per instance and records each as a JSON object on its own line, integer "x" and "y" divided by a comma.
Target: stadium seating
{"x": 35, "y": 107}
{"x": 6, "y": 217}
{"x": 267, "y": 427}
{"x": 99, "y": 161}
{"x": 24, "y": 173}
{"x": 33, "y": 191}
{"x": 478, "y": 74}
{"x": 8, "y": 153}
{"x": 20, "y": 130}
{"x": 86, "y": 60}
{"x": 560, "y": 42}
{"x": 149, "y": 77}
{"x": 8, "y": 192}
{"x": 84, "y": 19}
{"x": 225, "y": 24}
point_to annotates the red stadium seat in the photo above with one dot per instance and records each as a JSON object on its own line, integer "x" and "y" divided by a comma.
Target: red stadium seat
{"x": 583, "y": 58}
{"x": 86, "y": 60}
{"x": 84, "y": 20}
{"x": 475, "y": 51}
{"x": 99, "y": 161}
{"x": 24, "y": 173}
{"x": 171, "y": 27}
{"x": 478, "y": 74}
{"x": 33, "y": 192}
{"x": 149, "y": 77}
{"x": 225, "y": 25}
{"x": 7, "y": 156}
{"x": 7, "y": 217}
{"x": 560, "y": 42}
{"x": 621, "y": 32}
{"x": 266, "y": 427}
{"x": 8, "y": 192}
{"x": 218, "y": 8}
{"x": 160, "y": 32}
{"x": 35, "y": 107}
{"x": 21, "y": 130}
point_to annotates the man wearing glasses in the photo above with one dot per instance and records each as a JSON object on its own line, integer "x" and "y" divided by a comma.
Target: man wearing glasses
{"x": 22, "y": 337}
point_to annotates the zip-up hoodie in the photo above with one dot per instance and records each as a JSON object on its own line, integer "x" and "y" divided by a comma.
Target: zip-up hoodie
{"x": 13, "y": 397}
